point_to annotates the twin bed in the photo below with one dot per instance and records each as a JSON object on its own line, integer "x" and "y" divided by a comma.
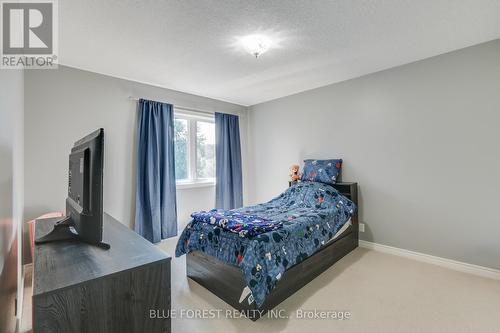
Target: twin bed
{"x": 255, "y": 257}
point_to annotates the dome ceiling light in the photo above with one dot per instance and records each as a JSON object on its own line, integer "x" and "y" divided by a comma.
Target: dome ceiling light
{"x": 256, "y": 44}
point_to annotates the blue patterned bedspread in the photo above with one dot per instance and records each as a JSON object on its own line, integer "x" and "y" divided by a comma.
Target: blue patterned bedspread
{"x": 310, "y": 214}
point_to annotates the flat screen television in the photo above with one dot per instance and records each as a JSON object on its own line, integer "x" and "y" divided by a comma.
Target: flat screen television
{"x": 83, "y": 220}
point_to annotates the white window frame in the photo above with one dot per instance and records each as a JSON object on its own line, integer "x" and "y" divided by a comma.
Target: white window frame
{"x": 192, "y": 118}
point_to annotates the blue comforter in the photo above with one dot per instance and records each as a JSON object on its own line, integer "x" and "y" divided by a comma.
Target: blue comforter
{"x": 310, "y": 214}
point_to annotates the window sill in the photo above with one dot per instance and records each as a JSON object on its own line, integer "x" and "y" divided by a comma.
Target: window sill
{"x": 195, "y": 184}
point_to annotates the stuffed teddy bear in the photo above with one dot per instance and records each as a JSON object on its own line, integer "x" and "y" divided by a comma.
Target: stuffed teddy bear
{"x": 294, "y": 173}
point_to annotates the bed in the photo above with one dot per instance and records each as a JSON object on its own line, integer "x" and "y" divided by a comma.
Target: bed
{"x": 255, "y": 273}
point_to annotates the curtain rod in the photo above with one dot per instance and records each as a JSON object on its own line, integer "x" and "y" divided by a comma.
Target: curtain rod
{"x": 179, "y": 107}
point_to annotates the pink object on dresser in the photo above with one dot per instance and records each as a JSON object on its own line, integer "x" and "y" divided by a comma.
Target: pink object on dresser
{"x": 31, "y": 226}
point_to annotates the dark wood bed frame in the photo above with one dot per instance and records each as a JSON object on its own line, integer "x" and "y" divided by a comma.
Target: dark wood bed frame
{"x": 227, "y": 282}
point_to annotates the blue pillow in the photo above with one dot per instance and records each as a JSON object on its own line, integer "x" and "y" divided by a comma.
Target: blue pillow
{"x": 323, "y": 171}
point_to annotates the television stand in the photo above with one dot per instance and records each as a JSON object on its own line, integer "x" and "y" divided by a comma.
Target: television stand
{"x": 64, "y": 231}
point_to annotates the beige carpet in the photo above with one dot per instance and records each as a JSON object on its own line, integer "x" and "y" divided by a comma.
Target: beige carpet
{"x": 383, "y": 293}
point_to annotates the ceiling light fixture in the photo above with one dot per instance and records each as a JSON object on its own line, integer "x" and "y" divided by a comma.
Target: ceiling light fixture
{"x": 256, "y": 44}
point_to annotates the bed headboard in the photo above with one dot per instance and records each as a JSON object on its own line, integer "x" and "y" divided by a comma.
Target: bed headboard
{"x": 349, "y": 190}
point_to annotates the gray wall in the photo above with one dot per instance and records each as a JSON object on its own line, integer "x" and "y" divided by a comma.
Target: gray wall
{"x": 65, "y": 104}
{"x": 11, "y": 177}
{"x": 422, "y": 140}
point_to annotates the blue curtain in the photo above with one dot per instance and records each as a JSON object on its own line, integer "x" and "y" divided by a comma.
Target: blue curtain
{"x": 155, "y": 204}
{"x": 228, "y": 187}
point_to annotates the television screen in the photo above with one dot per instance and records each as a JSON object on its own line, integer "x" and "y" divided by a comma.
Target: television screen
{"x": 83, "y": 220}
{"x": 84, "y": 201}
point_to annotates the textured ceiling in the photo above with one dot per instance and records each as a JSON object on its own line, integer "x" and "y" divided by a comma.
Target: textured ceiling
{"x": 189, "y": 45}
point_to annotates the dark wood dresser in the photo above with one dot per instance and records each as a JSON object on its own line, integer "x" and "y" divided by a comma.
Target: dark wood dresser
{"x": 82, "y": 288}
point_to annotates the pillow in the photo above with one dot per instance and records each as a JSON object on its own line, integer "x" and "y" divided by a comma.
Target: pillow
{"x": 323, "y": 171}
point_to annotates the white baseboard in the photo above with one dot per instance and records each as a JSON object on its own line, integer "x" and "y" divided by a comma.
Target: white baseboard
{"x": 448, "y": 263}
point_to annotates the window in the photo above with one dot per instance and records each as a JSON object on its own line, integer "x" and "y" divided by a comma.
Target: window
{"x": 181, "y": 148}
{"x": 194, "y": 149}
